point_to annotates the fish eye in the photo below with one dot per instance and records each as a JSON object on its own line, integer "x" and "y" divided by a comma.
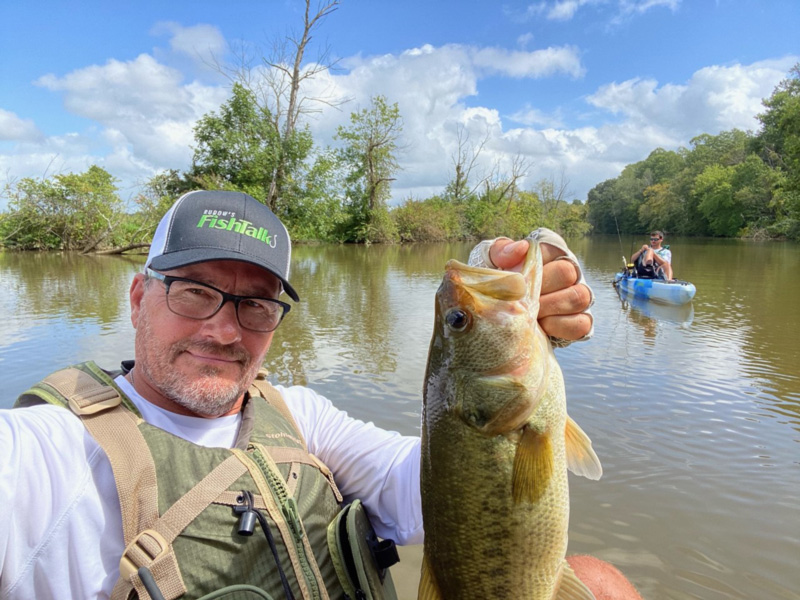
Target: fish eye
{"x": 457, "y": 319}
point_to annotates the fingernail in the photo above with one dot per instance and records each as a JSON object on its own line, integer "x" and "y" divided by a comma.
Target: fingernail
{"x": 509, "y": 249}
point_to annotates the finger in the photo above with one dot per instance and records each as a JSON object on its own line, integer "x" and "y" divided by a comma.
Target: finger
{"x": 507, "y": 254}
{"x": 568, "y": 327}
{"x": 558, "y": 275}
{"x": 550, "y": 253}
{"x": 572, "y": 300}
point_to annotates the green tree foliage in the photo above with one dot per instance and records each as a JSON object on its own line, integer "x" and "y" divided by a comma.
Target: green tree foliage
{"x": 432, "y": 220}
{"x": 239, "y": 148}
{"x": 369, "y": 159}
{"x": 316, "y": 212}
{"x": 779, "y": 146}
{"x": 67, "y": 212}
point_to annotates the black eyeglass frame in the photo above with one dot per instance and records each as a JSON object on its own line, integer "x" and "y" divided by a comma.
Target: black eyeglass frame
{"x": 168, "y": 280}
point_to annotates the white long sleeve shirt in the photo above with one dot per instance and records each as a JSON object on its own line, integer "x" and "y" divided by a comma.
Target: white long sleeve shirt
{"x": 61, "y": 528}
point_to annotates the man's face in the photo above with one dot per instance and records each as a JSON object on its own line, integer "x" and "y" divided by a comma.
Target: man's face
{"x": 199, "y": 367}
{"x": 655, "y": 241}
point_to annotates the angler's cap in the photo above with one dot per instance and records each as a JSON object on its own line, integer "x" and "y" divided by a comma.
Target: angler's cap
{"x": 215, "y": 225}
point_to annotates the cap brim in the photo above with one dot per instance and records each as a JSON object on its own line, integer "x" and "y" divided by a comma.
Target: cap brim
{"x": 184, "y": 258}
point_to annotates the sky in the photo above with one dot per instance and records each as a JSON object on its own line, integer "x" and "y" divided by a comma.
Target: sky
{"x": 576, "y": 89}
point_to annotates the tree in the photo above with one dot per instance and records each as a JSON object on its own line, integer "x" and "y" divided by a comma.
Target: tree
{"x": 276, "y": 89}
{"x": 662, "y": 208}
{"x": 780, "y": 134}
{"x": 553, "y": 196}
{"x": 236, "y": 148}
{"x": 465, "y": 159}
{"x": 715, "y": 192}
{"x": 68, "y": 212}
{"x": 369, "y": 159}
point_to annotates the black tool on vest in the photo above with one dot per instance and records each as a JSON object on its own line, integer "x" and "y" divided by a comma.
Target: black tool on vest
{"x": 248, "y": 514}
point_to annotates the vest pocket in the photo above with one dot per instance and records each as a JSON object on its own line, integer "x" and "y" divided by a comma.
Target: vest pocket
{"x": 361, "y": 560}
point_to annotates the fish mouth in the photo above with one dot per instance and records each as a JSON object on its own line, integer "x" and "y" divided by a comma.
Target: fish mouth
{"x": 487, "y": 283}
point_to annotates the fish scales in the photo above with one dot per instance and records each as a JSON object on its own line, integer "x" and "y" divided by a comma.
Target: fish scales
{"x": 494, "y": 485}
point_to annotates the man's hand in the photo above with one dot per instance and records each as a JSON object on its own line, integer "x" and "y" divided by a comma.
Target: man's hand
{"x": 562, "y": 300}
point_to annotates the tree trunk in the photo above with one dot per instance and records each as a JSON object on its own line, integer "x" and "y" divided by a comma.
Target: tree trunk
{"x": 124, "y": 248}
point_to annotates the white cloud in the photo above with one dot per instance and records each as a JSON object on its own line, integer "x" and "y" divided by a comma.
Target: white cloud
{"x": 14, "y": 128}
{"x": 565, "y": 10}
{"x": 535, "y": 64}
{"x": 145, "y": 103}
{"x": 531, "y": 116}
{"x": 524, "y": 40}
{"x": 202, "y": 43}
{"x": 431, "y": 86}
{"x": 716, "y": 98}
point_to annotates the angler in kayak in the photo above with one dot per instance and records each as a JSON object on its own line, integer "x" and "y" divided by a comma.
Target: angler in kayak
{"x": 654, "y": 261}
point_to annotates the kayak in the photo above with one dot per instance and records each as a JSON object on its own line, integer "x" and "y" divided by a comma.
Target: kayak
{"x": 674, "y": 292}
{"x": 682, "y": 314}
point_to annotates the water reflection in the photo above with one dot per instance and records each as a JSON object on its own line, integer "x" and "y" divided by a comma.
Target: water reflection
{"x": 646, "y": 315}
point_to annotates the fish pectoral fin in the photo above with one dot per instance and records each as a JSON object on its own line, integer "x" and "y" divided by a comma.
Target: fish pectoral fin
{"x": 581, "y": 458}
{"x": 428, "y": 588}
{"x": 533, "y": 466}
{"x": 570, "y": 587}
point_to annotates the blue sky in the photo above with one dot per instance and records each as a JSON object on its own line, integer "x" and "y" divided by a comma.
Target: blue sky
{"x": 576, "y": 88}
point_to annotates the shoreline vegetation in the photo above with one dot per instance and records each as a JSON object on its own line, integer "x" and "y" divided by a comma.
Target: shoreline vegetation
{"x": 732, "y": 185}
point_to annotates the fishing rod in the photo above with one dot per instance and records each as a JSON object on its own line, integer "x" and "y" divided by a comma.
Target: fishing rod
{"x": 619, "y": 236}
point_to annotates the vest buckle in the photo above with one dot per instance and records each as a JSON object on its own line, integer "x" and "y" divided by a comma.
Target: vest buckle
{"x": 145, "y": 549}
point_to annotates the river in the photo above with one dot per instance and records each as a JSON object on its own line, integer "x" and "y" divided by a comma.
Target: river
{"x": 693, "y": 411}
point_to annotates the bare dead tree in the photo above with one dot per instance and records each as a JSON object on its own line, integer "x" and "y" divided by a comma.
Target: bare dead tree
{"x": 504, "y": 184}
{"x": 552, "y": 194}
{"x": 465, "y": 159}
{"x": 277, "y": 83}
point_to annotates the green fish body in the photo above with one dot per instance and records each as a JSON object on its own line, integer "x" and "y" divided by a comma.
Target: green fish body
{"x": 496, "y": 444}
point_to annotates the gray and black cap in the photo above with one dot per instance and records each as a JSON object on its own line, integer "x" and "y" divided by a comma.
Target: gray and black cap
{"x": 216, "y": 225}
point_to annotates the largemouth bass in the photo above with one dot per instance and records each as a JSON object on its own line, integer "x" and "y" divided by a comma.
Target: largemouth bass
{"x": 496, "y": 444}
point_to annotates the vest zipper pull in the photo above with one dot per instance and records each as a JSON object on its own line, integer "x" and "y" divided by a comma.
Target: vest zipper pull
{"x": 292, "y": 516}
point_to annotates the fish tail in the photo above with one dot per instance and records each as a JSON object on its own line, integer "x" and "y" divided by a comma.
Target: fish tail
{"x": 428, "y": 588}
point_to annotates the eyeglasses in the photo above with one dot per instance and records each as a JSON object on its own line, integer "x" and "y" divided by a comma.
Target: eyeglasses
{"x": 654, "y": 239}
{"x": 195, "y": 300}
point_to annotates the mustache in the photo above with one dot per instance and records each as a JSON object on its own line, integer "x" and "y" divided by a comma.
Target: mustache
{"x": 236, "y": 353}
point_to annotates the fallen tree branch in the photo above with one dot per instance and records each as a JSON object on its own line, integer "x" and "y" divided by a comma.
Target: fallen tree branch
{"x": 124, "y": 249}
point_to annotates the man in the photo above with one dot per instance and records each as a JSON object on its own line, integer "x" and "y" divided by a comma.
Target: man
{"x": 652, "y": 260}
{"x": 155, "y": 483}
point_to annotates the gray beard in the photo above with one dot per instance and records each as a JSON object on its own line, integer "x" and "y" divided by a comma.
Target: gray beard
{"x": 198, "y": 396}
{"x": 205, "y": 396}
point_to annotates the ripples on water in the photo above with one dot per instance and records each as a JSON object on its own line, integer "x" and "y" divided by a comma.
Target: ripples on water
{"x": 694, "y": 411}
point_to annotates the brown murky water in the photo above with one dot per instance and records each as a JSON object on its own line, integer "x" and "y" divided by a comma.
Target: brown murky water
{"x": 694, "y": 411}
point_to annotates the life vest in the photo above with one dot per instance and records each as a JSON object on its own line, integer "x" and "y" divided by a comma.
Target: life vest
{"x": 184, "y": 505}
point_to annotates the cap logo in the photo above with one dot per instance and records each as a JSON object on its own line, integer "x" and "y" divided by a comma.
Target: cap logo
{"x": 240, "y": 226}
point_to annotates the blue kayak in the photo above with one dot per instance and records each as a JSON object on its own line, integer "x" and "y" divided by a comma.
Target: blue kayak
{"x": 674, "y": 292}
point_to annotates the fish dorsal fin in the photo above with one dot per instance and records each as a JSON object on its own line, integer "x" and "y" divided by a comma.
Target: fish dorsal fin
{"x": 428, "y": 589}
{"x": 581, "y": 458}
{"x": 533, "y": 466}
{"x": 570, "y": 587}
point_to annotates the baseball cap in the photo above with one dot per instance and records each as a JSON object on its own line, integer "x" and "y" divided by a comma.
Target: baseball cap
{"x": 218, "y": 225}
